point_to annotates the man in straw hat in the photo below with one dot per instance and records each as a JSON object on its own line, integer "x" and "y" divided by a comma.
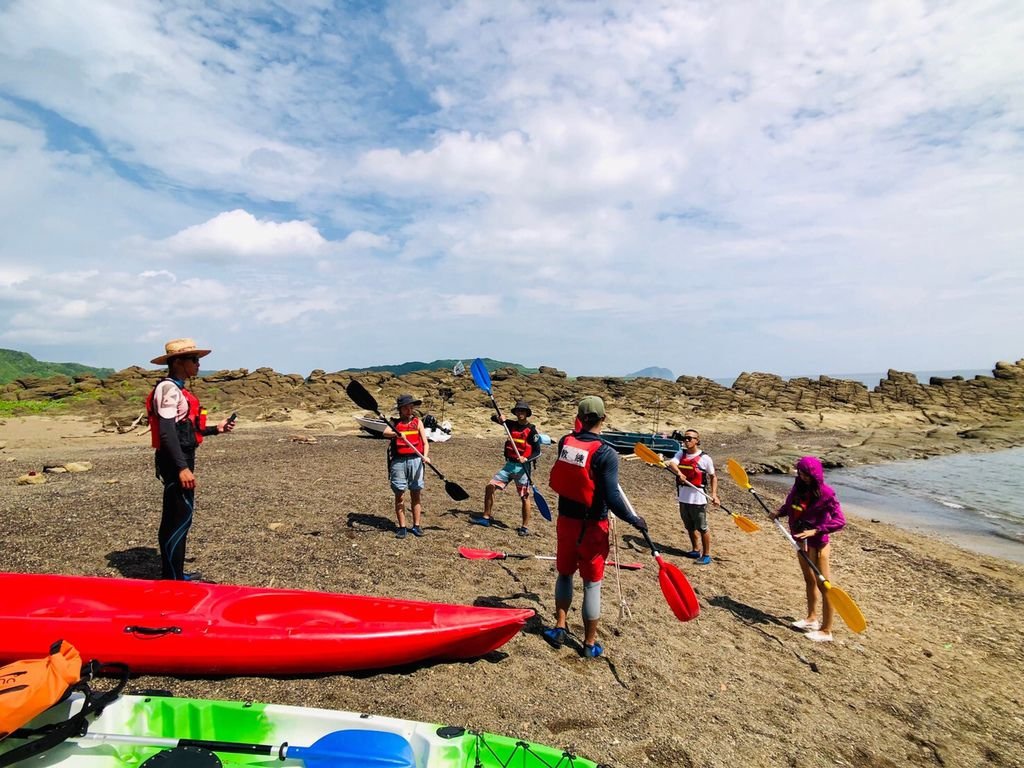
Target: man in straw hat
{"x": 177, "y": 425}
{"x": 405, "y": 467}
{"x": 586, "y": 478}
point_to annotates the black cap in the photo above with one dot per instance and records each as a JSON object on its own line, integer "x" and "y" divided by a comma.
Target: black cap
{"x": 522, "y": 405}
{"x": 407, "y": 400}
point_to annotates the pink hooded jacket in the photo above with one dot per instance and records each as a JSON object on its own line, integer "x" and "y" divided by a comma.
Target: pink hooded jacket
{"x": 807, "y": 510}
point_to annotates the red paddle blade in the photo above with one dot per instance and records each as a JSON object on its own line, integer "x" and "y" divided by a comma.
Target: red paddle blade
{"x": 677, "y": 590}
{"x": 625, "y": 566}
{"x": 480, "y": 554}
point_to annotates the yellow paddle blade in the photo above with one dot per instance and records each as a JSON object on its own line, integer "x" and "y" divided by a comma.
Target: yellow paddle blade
{"x": 738, "y": 473}
{"x": 847, "y": 609}
{"x": 745, "y": 523}
{"x": 647, "y": 455}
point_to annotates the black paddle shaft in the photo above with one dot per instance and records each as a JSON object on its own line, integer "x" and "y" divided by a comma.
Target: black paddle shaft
{"x": 361, "y": 397}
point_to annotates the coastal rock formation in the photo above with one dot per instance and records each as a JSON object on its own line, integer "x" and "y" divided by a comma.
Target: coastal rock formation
{"x": 898, "y": 418}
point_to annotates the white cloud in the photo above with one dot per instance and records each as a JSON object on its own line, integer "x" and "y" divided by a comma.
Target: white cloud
{"x": 767, "y": 167}
{"x": 239, "y": 234}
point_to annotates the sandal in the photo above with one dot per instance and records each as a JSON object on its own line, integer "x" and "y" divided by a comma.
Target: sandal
{"x": 555, "y": 636}
{"x": 806, "y": 626}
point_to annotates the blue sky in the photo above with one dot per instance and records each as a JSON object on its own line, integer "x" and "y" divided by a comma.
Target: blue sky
{"x": 787, "y": 187}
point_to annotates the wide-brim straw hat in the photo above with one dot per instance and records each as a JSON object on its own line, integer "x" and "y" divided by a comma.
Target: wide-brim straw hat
{"x": 179, "y": 348}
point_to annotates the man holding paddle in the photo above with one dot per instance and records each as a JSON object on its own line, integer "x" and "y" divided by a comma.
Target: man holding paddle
{"x": 586, "y": 478}
{"x": 522, "y": 447}
{"x": 406, "y": 453}
{"x": 696, "y": 476}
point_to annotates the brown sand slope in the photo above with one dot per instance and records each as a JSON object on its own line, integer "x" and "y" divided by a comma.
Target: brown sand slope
{"x": 935, "y": 680}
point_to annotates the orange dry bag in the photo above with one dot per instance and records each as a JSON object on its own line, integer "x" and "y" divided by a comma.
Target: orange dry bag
{"x": 28, "y": 688}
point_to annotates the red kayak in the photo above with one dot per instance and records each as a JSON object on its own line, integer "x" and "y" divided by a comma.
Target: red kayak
{"x": 192, "y": 627}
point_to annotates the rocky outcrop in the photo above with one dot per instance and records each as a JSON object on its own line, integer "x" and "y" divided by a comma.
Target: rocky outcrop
{"x": 633, "y": 404}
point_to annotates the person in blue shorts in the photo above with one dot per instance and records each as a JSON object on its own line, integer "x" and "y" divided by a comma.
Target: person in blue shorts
{"x": 405, "y": 467}
{"x": 521, "y": 449}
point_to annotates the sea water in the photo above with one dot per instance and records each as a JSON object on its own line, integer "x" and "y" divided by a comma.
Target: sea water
{"x": 975, "y": 500}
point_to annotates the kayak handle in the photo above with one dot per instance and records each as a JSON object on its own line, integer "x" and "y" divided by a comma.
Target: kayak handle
{"x": 152, "y": 630}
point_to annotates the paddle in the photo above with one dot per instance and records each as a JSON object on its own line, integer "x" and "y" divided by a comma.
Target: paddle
{"x": 677, "y": 590}
{"x": 340, "y": 749}
{"x": 650, "y": 457}
{"x": 486, "y": 554}
{"x": 364, "y": 399}
{"x": 483, "y": 380}
{"x": 842, "y": 602}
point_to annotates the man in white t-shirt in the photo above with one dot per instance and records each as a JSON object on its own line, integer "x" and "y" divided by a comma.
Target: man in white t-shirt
{"x": 695, "y": 473}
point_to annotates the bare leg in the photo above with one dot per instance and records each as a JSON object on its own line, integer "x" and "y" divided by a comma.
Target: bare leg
{"x": 705, "y": 539}
{"x": 820, "y": 558}
{"x": 417, "y": 507}
{"x": 400, "y": 508}
{"x": 526, "y": 511}
{"x": 488, "y": 501}
{"x": 693, "y": 540}
{"x": 811, "y": 586}
{"x": 590, "y": 631}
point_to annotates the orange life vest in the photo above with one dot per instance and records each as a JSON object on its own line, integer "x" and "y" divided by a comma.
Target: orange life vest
{"x": 520, "y": 439}
{"x": 691, "y": 471}
{"x": 28, "y": 688}
{"x": 571, "y": 475}
{"x": 195, "y": 416}
{"x": 410, "y": 430}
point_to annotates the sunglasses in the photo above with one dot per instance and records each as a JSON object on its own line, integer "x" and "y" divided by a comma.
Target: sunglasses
{"x": 689, "y": 438}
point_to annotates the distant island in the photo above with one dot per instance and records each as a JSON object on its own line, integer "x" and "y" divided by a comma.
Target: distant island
{"x": 437, "y": 365}
{"x": 653, "y": 372}
{"x": 16, "y": 365}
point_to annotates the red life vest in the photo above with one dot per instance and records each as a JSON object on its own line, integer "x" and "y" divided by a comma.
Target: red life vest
{"x": 195, "y": 413}
{"x": 520, "y": 440}
{"x": 571, "y": 475}
{"x": 692, "y": 472}
{"x": 411, "y": 431}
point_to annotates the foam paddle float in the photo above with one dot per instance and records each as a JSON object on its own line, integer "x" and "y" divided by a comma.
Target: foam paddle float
{"x": 648, "y": 456}
{"x": 486, "y": 554}
{"x": 340, "y": 749}
{"x": 361, "y": 397}
{"x": 483, "y": 380}
{"x": 677, "y": 590}
{"x": 842, "y": 602}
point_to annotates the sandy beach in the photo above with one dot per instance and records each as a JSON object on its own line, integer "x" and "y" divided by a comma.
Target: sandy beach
{"x": 936, "y": 678}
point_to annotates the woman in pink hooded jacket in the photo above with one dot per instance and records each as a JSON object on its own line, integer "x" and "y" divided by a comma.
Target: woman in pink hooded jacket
{"x": 814, "y": 512}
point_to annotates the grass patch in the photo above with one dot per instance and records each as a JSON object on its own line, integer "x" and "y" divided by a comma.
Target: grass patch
{"x": 30, "y": 407}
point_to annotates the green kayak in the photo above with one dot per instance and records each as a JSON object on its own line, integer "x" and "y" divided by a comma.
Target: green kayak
{"x": 167, "y": 732}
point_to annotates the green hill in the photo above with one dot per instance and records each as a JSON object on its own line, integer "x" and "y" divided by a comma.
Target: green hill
{"x": 416, "y": 365}
{"x": 16, "y": 365}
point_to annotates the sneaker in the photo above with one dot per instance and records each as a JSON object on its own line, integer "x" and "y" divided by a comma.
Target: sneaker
{"x": 692, "y": 554}
{"x": 555, "y": 636}
{"x": 400, "y": 534}
{"x": 819, "y": 637}
{"x": 523, "y": 531}
{"x": 806, "y": 626}
{"x": 706, "y": 560}
{"x": 592, "y": 651}
{"x": 484, "y": 521}
{"x": 417, "y": 531}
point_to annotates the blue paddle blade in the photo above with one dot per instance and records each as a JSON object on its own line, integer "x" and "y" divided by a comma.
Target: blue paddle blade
{"x": 357, "y": 749}
{"x": 542, "y": 506}
{"x": 480, "y": 375}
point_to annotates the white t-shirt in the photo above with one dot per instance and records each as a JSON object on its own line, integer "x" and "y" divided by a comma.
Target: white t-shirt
{"x": 688, "y": 495}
